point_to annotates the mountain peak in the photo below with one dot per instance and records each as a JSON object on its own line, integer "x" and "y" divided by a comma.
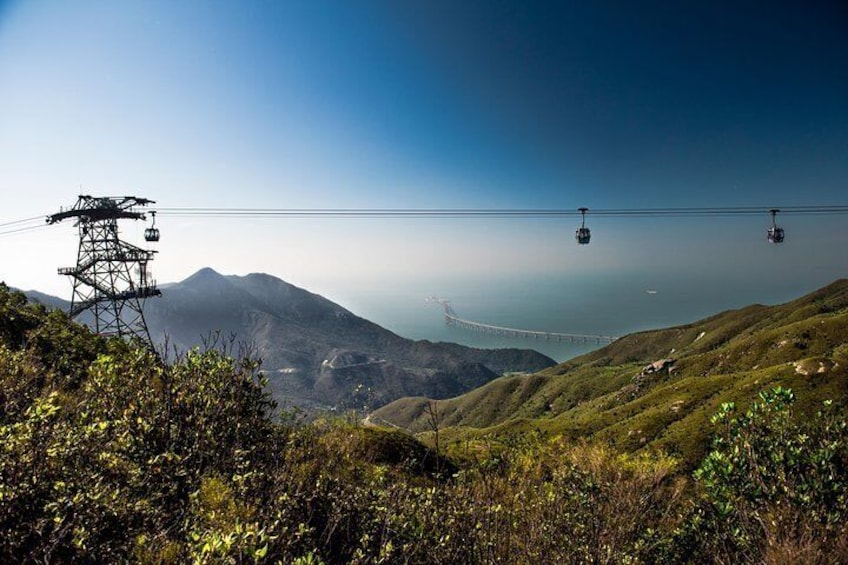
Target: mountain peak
{"x": 206, "y": 281}
{"x": 204, "y": 274}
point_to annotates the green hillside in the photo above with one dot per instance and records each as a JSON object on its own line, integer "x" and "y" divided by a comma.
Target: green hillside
{"x": 608, "y": 395}
{"x": 110, "y": 454}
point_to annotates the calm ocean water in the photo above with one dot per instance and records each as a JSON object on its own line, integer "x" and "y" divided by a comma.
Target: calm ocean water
{"x": 597, "y": 304}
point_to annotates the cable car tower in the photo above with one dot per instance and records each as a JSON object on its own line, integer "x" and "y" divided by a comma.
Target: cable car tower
{"x": 103, "y": 279}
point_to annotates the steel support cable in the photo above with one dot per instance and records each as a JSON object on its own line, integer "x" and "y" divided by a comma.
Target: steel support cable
{"x": 488, "y": 213}
{"x": 40, "y": 219}
{"x": 23, "y": 230}
{"x": 20, "y": 226}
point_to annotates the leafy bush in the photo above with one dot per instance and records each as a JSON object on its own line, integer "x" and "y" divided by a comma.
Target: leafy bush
{"x": 775, "y": 489}
{"x": 107, "y": 454}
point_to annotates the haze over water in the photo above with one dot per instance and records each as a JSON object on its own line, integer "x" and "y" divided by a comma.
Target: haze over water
{"x": 584, "y": 304}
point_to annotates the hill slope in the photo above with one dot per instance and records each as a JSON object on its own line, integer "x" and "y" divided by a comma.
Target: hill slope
{"x": 659, "y": 388}
{"x": 317, "y": 353}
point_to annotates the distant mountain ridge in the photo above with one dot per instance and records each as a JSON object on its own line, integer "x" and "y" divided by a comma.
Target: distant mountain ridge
{"x": 658, "y": 389}
{"x": 47, "y": 300}
{"x": 315, "y": 352}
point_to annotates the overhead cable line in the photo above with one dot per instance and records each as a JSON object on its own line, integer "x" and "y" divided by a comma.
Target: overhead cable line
{"x": 23, "y": 230}
{"x": 23, "y": 225}
{"x": 582, "y": 235}
{"x": 25, "y": 220}
{"x": 487, "y": 212}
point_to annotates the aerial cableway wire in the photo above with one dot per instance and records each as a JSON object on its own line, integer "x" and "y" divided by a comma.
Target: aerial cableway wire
{"x": 23, "y": 230}
{"x": 22, "y": 226}
{"x": 487, "y": 213}
{"x": 37, "y": 223}
{"x": 24, "y": 221}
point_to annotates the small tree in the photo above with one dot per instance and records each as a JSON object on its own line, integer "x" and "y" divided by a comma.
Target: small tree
{"x": 434, "y": 421}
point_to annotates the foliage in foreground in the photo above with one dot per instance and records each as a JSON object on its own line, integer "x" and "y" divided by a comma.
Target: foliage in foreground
{"x": 774, "y": 489}
{"x": 109, "y": 455}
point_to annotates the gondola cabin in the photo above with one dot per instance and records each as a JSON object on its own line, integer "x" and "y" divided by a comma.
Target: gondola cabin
{"x": 583, "y": 235}
{"x": 152, "y": 233}
{"x": 775, "y": 234}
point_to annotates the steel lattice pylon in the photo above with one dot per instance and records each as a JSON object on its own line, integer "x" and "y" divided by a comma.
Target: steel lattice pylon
{"x": 103, "y": 279}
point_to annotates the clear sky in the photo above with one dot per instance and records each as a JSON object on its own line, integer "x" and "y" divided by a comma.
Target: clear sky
{"x": 481, "y": 104}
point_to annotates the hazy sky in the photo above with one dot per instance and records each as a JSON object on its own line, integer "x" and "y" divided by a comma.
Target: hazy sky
{"x": 482, "y": 104}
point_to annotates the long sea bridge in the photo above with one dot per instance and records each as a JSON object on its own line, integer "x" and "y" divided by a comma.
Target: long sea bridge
{"x": 452, "y": 319}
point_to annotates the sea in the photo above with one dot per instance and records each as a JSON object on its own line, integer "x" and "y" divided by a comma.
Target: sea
{"x": 613, "y": 304}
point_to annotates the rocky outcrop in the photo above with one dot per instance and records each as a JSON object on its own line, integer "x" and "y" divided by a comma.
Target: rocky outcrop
{"x": 658, "y": 366}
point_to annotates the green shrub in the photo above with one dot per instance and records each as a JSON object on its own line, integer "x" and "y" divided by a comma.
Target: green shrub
{"x": 109, "y": 455}
{"x": 774, "y": 488}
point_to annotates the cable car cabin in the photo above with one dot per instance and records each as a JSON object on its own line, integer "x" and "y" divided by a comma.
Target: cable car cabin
{"x": 775, "y": 235}
{"x": 151, "y": 234}
{"x": 583, "y": 235}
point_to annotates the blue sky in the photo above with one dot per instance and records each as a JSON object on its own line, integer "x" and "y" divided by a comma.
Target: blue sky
{"x": 429, "y": 104}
